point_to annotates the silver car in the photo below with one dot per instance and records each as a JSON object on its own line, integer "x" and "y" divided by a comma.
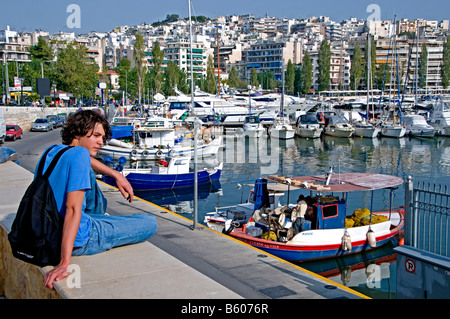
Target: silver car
{"x": 42, "y": 124}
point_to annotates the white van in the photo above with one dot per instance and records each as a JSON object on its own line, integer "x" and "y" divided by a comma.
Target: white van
{"x": 2, "y": 127}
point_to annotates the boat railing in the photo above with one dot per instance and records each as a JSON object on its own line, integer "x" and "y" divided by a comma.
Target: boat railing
{"x": 427, "y": 220}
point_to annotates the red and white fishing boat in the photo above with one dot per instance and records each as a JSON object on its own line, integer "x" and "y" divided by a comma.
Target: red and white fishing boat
{"x": 326, "y": 235}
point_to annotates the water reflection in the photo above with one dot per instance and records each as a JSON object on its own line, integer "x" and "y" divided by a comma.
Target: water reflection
{"x": 245, "y": 160}
{"x": 371, "y": 273}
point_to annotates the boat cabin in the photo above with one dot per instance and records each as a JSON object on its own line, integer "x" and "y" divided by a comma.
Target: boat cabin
{"x": 252, "y": 119}
{"x": 328, "y": 212}
{"x": 154, "y": 137}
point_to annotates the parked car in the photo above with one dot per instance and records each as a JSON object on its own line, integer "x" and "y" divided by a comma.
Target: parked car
{"x": 42, "y": 124}
{"x": 62, "y": 117}
{"x": 55, "y": 120}
{"x": 13, "y": 132}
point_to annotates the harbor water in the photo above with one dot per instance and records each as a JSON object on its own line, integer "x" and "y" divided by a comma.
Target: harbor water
{"x": 372, "y": 273}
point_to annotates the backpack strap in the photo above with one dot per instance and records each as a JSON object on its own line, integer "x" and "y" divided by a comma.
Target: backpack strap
{"x": 42, "y": 162}
{"x": 53, "y": 163}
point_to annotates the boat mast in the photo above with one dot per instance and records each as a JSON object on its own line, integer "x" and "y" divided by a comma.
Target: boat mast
{"x": 369, "y": 67}
{"x": 416, "y": 75}
{"x": 195, "y": 217}
{"x": 394, "y": 56}
{"x": 218, "y": 56}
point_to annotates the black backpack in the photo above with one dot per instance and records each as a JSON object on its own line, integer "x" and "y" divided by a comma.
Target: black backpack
{"x": 36, "y": 232}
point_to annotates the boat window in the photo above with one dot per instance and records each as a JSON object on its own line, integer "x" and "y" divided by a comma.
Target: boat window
{"x": 329, "y": 211}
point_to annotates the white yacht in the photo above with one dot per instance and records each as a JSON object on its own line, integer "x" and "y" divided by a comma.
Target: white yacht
{"x": 253, "y": 127}
{"x": 338, "y": 125}
{"x": 281, "y": 129}
{"x": 440, "y": 119}
{"x": 308, "y": 126}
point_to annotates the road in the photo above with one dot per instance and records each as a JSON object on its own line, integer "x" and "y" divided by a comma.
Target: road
{"x": 32, "y": 145}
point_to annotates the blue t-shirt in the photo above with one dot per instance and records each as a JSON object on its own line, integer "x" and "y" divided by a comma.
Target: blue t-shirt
{"x": 72, "y": 173}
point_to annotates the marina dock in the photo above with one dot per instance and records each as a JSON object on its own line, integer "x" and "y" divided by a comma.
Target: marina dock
{"x": 179, "y": 262}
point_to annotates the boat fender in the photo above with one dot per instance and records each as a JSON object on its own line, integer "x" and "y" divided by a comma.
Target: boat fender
{"x": 228, "y": 227}
{"x": 346, "y": 275}
{"x": 346, "y": 242}
{"x": 281, "y": 219}
{"x": 371, "y": 238}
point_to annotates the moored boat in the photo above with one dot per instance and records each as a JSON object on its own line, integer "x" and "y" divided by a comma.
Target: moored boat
{"x": 308, "y": 126}
{"x": 327, "y": 232}
{"x": 417, "y": 126}
{"x": 165, "y": 175}
{"x": 281, "y": 129}
{"x": 253, "y": 127}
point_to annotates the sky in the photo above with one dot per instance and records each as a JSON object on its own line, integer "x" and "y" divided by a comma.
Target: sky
{"x": 104, "y": 15}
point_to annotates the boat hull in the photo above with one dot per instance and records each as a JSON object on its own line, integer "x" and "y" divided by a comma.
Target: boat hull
{"x": 325, "y": 246}
{"x": 338, "y": 132}
{"x": 308, "y": 132}
{"x": 421, "y": 133}
{"x": 115, "y": 151}
{"x": 254, "y": 133}
{"x": 367, "y": 132}
{"x": 147, "y": 182}
{"x": 393, "y": 131}
{"x": 282, "y": 134}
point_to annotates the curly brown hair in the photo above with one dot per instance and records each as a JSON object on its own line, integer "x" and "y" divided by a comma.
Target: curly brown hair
{"x": 82, "y": 123}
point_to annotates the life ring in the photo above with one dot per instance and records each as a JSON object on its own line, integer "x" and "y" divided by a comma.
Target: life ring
{"x": 172, "y": 153}
{"x": 134, "y": 152}
{"x": 145, "y": 153}
{"x": 159, "y": 153}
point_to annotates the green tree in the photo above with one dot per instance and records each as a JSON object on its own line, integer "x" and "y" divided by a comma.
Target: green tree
{"x": 423, "y": 58}
{"x": 42, "y": 51}
{"x": 74, "y": 69}
{"x": 382, "y": 75}
{"x": 254, "y": 78}
{"x": 324, "y": 64}
{"x": 373, "y": 57}
{"x": 139, "y": 60}
{"x": 307, "y": 73}
{"x": 158, "y": 58}
{"x": 356, "y": 70}
{"x": 289, "y": 78}
{"x": 171, "y": 78}
{"x": 233, "y": 78}
{"x": 210, "y": 76}
{"x": 298, "y": 80}
{"x": 445, "y": 66}
{"x": 123, "y": 69}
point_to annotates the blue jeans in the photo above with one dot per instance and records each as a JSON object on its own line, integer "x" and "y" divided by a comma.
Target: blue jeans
{"x": 113, "y": 231}
{"x": 298, "y": 225}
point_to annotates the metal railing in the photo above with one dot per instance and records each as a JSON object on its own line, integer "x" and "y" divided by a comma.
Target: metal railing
{"x": 427, "y": 217}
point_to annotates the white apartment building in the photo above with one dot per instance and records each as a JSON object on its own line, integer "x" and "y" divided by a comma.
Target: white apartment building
{"x": 340, "y": 63}
{"x": 179, "y": 51}
{"x": 272, "y": 56}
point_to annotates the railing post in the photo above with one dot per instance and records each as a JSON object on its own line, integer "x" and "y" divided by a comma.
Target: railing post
{"x": 409, "y": 203}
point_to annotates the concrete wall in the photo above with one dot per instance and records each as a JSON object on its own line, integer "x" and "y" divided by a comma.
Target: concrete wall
{"x": 20, "y": 280}
{"x": 421, "y": 274}
{"x": 25, "y": 116}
